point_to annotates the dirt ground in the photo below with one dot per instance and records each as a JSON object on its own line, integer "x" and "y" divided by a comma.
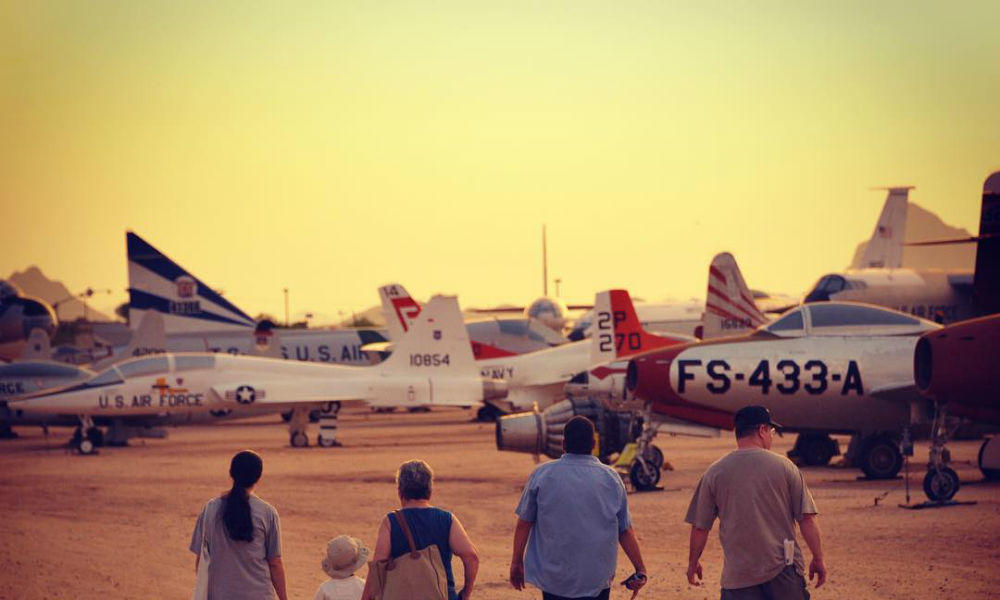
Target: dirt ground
{"x": 117, "y": 525}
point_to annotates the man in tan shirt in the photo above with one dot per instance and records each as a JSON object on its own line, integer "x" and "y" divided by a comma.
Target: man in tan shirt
{"x": 758, "y": 496}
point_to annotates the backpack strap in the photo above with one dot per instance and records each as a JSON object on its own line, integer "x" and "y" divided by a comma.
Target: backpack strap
{"x": 406, "y": 531}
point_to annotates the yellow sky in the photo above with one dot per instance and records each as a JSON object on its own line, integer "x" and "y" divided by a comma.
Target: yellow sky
{"x": 333, "y": 147}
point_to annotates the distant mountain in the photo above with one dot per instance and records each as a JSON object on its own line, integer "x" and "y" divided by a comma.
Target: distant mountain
{"x": 34, "y": 283}
{"x": 923, "y": 225}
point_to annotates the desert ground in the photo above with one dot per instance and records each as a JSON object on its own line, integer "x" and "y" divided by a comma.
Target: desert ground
{"x": 118, "y": 524}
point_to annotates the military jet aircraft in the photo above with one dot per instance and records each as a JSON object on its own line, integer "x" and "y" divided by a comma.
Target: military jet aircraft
{"x": 945, "y": 296}
{"x": 956, "y": 367}
{"x": 431, "y": 365}
{"x": 828, "y": 367}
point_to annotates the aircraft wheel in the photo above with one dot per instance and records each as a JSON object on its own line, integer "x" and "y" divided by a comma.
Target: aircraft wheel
{"x": 95, "y": 436}
{"x": 327, "y": 442}
{"x": 988, "y": 473}
{"x": 654, "y": 456}
{"x": 880, "y": 457}
{"x": 488, "y": 413}
{"x": 285, "y": 416}
{"x": 299, "y": 439}
{"x": 816, "y": 450}
{"x": 644, "y": 479}
{"x": 314, "y": 416}
{"x": 85, "y": 447}
{"x": 941, "y": 484}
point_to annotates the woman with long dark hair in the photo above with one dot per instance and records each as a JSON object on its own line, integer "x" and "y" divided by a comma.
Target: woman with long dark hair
{"x": 239, "y": 536}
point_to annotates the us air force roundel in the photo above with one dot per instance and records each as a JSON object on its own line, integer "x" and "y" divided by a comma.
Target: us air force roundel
{"x": 245, "y": 394}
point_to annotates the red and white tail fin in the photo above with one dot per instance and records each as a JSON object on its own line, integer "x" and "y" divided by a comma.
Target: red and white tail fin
{"x": 617, "y": 332}
{"x": 400, "y": 309}
{"x": 729, "y": 305}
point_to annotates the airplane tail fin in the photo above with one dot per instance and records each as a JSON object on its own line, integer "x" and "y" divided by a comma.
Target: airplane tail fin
{"x": 986, "y": 282}
{"x": 729, "y": 306}
{"x": 399, "y": 308}
{"x": 37, "y": 346}
{"x": 618, "y": 333}
{"x": 437, "y": 342}
{"x": 885, "y": 248}
{"x": 158, "y": 284}
{"x": 149, "y": 338}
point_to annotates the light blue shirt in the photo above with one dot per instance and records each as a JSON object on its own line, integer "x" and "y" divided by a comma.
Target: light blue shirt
{"x": 579, "y": 509}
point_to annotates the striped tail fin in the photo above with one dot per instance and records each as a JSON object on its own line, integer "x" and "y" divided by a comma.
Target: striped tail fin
{"x": 729, "y": 305}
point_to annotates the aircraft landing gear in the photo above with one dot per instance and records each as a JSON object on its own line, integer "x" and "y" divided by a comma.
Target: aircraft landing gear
{"x": 488, "y": 413}
{"x": 815, "y": 449}
{"x": 327, "y": 437}
{"x": 880, "y": 457}
{"x": 298, "y": 421}
{"x": 644, "y": 474}
{"x": 989, "y": 458}
{"x": 87, "y": 437}
{"x": 6, "y": 433}
{"x": 941, "y": 482}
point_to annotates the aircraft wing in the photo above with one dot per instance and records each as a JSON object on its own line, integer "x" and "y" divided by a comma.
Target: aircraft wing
{"x": 271, "y": 392}
{"x": 903, "y": 391}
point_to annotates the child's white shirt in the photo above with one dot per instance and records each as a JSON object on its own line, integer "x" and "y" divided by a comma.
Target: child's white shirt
{"x": 349, "y": 588}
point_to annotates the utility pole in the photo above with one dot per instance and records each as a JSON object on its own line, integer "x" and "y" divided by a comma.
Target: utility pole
{"x": 545, "y": 264}
{"x": 557, "y": 282}
{"x": 286, "y": 308}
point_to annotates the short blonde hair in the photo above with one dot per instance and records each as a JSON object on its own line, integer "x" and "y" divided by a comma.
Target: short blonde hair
{"x": 414, "y": 479}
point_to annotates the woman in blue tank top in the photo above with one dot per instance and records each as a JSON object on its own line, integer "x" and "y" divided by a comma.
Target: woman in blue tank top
{"x": 429, "y": 526}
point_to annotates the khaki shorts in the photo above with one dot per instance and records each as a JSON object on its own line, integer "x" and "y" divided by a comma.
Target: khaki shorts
{"x": 788, "y": 585}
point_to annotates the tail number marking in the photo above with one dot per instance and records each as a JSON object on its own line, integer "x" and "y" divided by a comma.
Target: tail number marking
{"x": 430, "y": 360}
{"x": 789, "y": 377}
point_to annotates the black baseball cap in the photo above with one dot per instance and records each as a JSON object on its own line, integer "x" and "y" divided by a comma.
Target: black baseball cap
{"x": 752, "y": 416}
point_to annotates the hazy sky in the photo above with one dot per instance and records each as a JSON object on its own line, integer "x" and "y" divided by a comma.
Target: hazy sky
{"x": 331, "y": 147}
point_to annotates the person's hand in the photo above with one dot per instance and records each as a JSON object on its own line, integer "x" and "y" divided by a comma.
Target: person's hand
{"x": 817, "y": 568}
{"x": 694, "y": 569}
{"x": 635, "y": 582}
{"x": 517, "y": 575}
{"x": 465, "y": 594}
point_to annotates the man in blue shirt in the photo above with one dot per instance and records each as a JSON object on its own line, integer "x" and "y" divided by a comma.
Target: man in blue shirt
{"x": 572, "y": 516}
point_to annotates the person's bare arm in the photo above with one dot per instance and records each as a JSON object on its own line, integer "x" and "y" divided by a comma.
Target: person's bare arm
{"x": 521, "y": 532}
{"x": 278, "y": 576}
{"x": 809, "y": 527}
{"x": 696, "y": 545}
{"x": 630, "y": 544}
{"x": 383, "y": 547}
{"x": 463, "y": 548}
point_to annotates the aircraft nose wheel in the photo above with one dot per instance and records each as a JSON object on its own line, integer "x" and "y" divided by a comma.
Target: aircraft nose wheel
{"x": 327, "y": 442}
{"x": 941, "y": 484}
{"x": 299, "y": 440}
{"x": 644, "y": 476}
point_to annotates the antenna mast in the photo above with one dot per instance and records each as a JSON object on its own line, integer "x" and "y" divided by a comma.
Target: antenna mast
{"x": 545, "y": 264}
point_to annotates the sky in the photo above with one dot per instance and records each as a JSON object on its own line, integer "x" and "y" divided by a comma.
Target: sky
{"x": 331, "y": 147}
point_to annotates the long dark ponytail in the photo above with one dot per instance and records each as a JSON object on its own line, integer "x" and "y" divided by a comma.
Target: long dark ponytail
{"x": 245, "y": 469}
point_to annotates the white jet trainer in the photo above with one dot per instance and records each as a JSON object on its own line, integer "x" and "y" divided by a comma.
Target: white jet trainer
{"x": 431, "y": 365}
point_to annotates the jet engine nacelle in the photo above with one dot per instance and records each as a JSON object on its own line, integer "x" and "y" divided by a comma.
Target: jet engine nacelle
{"x": 542, "y": 432}
{"x": 959, "y": 365}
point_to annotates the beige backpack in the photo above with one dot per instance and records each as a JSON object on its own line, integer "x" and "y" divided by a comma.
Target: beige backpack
{"x": 418, "y": 575}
